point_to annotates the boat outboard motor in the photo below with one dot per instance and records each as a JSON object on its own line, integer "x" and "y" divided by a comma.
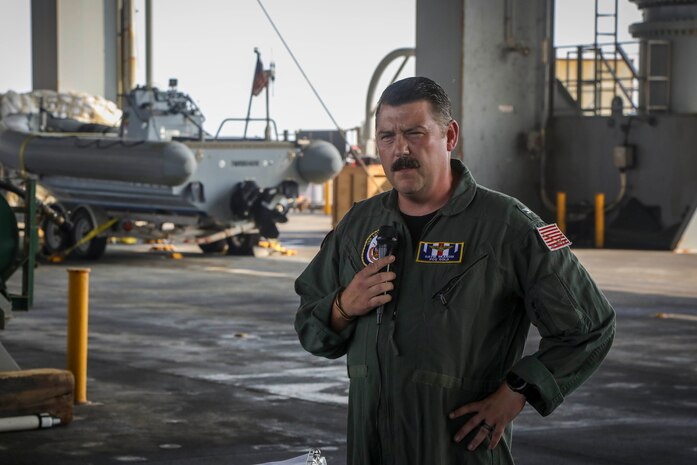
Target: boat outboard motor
{"x": 249, "y": 201}
{"x": 243, "y": 197}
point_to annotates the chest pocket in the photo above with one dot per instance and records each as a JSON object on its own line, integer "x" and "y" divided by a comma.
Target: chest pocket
{"x": 457, "y": 284}
{"x": 457, "y": 319}
{"x": 463, "y": 287}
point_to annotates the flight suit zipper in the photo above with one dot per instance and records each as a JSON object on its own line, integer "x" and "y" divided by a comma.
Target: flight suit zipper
{"x": 377, "y": 408}
{"x": 445, "y": 291}
{"x": 442, "y": 294}
{"x": 418, "y": 241}
{"x": 386, "y": 385}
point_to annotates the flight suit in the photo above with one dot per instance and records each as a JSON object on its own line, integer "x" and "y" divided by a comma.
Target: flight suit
{"x": 465, "y": 295}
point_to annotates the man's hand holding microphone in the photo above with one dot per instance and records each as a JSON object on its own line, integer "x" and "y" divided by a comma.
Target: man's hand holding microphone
{"x": 369, "y": 289}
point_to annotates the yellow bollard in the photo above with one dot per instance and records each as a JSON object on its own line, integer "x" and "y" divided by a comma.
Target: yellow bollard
{"x": 561, "y": 211}
{"x": 327, "y": 198}
{"x": 599, "y": 221}
{"x": 78, "y": 299}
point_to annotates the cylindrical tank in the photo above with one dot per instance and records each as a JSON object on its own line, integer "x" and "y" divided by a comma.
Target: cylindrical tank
{"x": 319, "y": 162}
{"x": 164, "y": 163}
{"x": 668, "y": 52}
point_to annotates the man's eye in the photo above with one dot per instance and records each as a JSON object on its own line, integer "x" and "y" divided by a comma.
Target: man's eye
{"x": 386, "y": 137}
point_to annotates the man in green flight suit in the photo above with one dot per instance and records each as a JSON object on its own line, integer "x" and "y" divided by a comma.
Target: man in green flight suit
{"x": 439, "y": 379}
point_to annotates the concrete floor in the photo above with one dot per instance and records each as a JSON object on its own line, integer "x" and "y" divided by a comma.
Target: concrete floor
{"x": 195, "y": 362}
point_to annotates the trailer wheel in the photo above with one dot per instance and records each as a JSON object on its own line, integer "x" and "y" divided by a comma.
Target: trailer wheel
{"x": 83, "y": 223}
{"x": 242, "y": 244}
{"x": 213, "y": 247}
{"x": 56, "y": 239}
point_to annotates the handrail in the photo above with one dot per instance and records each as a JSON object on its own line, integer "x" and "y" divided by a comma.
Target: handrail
{"x": 368, "y": 132}
{"x": 617, "y": 80}
{"x": 226, "y": 120}
{"x": 600, "y": 45}
{"x": 579, "y": 86}
{"x": 628, "y": 62}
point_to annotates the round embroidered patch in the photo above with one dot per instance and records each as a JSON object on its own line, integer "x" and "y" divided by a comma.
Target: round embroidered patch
{"x": 370, "y": 249}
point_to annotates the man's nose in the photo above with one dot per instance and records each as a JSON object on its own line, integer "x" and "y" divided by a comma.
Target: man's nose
{"x": 401, "y": 146}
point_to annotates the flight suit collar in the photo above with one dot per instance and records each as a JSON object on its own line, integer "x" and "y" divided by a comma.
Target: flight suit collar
{"x": 461, "y": 197}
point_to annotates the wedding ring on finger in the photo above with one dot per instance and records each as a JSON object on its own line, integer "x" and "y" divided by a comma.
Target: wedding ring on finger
{"x": 487, "y": 427}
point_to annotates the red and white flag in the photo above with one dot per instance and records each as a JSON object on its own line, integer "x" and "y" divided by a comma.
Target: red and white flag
{"x": 553, "y": 238}
{"x": 261, "y": 78}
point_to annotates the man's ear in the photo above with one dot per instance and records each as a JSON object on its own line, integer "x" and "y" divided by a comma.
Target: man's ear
{"x": 451, "y": 134}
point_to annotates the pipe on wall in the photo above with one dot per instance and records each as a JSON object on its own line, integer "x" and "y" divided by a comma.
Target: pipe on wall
{"x": 368, "y": 133}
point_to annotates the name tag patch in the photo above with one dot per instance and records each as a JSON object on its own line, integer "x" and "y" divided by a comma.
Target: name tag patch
{"x": 440, "y": 252}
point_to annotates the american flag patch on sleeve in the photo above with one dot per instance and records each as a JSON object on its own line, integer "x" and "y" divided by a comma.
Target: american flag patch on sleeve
{"x": 553, "y": 238}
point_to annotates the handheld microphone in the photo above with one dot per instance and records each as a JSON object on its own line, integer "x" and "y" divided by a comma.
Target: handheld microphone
{"x": 387, "y": 242}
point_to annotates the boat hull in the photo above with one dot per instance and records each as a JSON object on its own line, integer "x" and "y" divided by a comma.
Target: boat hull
{"x": 109, "y": 158}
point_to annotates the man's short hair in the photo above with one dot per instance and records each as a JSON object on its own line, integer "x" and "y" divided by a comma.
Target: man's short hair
{"x": 414, "y": 89}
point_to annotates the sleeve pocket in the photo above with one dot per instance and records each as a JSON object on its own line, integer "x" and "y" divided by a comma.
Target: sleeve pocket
{"x": 552, "y": 308}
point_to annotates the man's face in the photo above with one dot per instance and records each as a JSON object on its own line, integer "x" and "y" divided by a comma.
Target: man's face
{"x": 414, "y": 148}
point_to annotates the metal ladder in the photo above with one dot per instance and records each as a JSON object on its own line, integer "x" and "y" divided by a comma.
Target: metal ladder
{"x": 605, "y": 66}
{"x": 614, "y": 74}
{"x": 603, "y": 69}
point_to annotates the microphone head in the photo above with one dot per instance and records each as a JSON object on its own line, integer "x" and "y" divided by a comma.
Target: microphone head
{"x": 388, "y": 240}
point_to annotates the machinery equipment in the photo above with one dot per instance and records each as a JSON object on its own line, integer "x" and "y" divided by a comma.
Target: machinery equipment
{"x": 15, "y": 255}
{"x": 160, "y": 174}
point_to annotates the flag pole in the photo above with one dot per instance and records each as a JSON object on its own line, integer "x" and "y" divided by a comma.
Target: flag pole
{"x": 251, "y": 96}
{"x": 270, "y": 76}
{"x": 267, "y": 133}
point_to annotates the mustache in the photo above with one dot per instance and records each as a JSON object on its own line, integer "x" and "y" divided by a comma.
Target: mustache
{"x": 405, "y": 163}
